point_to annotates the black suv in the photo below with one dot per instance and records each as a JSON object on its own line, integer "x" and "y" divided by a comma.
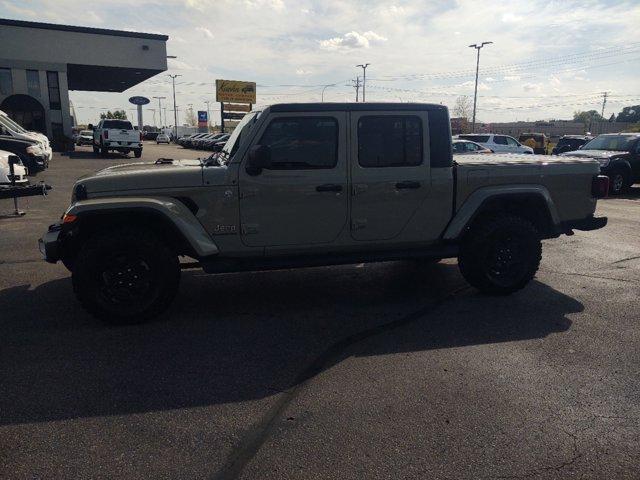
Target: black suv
{"x": 569, "y": 143}
{"x": 619, "y": 157}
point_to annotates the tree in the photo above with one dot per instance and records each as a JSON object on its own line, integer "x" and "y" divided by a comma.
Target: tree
{"x": 588, "y": 118}
{"x": 191, "y": 118}
{"x": 629, "y": 114}
{"x": 116, "y": 114}
{"x": 612, "y": 118}
{"x": 462, "y": 110}
{"x": 463, "y": 107}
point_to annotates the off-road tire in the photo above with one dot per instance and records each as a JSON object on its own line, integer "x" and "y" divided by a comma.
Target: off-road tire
{"x": 496, "y": 241}
{"x": 619, "y": 181}
{"x": 96, "y": 150}
{"x": 137, "y": 152}
{"x": 104, "y": 151}
{"x": 108, "y": 260}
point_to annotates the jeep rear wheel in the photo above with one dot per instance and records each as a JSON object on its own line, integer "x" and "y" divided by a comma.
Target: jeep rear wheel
{"x": 126, "y": 276}
{"x": 500, "y": 254}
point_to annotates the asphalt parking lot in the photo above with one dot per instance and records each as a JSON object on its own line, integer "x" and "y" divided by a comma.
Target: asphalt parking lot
{"x": 393, "y": 370}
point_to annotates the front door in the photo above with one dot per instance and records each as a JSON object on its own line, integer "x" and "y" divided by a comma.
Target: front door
{"x": 301, "y": 199}
{"x": 390, "y": 176}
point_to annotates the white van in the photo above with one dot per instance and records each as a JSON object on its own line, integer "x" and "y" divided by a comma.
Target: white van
{"x": 11, "y": 128}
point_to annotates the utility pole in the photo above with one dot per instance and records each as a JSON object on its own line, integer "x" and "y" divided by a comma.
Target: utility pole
{"x": 154, "y": 114}
{"x": 207, "y": 102}
{"x": 604, "y": 102}
{"x": 356, "y": 85}
{"x": 364, "y": 79}
{"x": 190, "y": 105}
{"x": 475, "y": 92}
{"x": 175, "y": 110}
{"x": 160, "y": 109}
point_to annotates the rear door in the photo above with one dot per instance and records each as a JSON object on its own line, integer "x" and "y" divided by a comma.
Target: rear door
{"x": 500, "y": 144}
{"x": 390, "y": 177}
{"x": 301, "y": 200}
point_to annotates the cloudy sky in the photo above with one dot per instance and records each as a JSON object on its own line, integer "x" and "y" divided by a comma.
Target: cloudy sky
{"x": 548, "y": 59}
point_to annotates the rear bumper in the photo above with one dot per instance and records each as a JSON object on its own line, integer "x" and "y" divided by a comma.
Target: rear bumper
{"x": 585, "y": 224}
{"x": 49, "y": 243}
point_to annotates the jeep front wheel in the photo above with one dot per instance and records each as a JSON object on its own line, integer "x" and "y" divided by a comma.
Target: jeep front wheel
{"x": 500, "y": 254}
{"x": 125, "y": 276}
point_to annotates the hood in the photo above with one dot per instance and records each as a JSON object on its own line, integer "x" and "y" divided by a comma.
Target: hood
{"x": 162, "y": 174}
{"x": 597, "y": 154}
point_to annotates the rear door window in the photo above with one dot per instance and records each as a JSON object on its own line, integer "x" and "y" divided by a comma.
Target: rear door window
{"x": 389, "y": 141}
{"x": 500, "y": 140}
{"x": 475, "y": 138}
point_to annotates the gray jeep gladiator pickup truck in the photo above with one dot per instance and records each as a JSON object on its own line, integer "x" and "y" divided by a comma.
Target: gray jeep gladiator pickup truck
{"x": 301, "y": 185}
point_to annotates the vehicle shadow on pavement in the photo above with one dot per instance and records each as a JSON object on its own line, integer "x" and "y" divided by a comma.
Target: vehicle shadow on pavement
{"x": 242, "y": 337}
{"x": 632, "y": 194}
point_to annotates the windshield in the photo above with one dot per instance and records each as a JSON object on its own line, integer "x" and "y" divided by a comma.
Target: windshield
{"x": 86, "y": 132}
{"x": 11, "y": 125}
{"x": 619, "y": 143}
{"x": 236, "y": 137}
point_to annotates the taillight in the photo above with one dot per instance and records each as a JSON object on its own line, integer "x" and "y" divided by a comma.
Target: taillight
{"x": 600, "y": 186}
{"x": 106, "y": 134}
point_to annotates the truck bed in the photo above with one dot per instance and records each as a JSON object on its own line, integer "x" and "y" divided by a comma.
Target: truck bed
{"x": 567, "y": 179}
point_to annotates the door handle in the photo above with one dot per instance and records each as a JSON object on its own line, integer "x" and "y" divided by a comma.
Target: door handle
{"x": 407, "y": 184}
{"x": 329, "y": 187}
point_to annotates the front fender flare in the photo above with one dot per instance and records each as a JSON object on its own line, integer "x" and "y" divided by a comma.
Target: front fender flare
{"x": 173, "y": 211}
{"x": 473, "y": 205}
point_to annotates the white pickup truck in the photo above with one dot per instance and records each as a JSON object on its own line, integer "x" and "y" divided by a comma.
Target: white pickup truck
{"x": 118, "y": 135}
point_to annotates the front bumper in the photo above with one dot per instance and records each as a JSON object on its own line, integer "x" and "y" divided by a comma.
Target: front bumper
{"x": 49, "y": 244}
{"x": 585, "y": 224}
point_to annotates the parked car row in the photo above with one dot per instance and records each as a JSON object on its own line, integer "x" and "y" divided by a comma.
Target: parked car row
{"x": 204, "y": 141}
{"x": 33, "y": 148}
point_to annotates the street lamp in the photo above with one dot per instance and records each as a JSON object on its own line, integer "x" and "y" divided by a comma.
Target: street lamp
{"x": 324, "y": 88}
{"x": 475, "y": 93}
{"x": 364, "y": 79}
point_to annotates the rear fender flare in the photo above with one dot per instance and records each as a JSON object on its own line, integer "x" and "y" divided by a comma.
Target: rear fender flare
{"x": 474, "y": 203}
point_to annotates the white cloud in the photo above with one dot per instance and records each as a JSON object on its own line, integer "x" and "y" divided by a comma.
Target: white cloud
{"x": 511, "y": 18}
{"x": 205, "y": 31}
{"x": 352, "y": 40}
{"x": 532, "y": 87}
{"x": 511, "y": 78}
{"x": 301, "y": 71}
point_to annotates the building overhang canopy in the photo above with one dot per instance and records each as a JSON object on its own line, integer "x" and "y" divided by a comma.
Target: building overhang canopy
{"x": 95, "y": 59}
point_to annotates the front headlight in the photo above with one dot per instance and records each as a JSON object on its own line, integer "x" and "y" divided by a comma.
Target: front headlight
{"x": 34, "y": 150}
{"x": 604, "y": 162}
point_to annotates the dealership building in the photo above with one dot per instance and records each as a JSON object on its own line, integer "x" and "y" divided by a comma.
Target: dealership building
{"x": 41, "y": 62}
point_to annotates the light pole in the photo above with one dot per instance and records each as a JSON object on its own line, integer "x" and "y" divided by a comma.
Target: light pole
{"x": 475, "y": 92}
{"x": 364, "y": 80}
{"x": 325, "y": 87}
{"x": 207, "y": 102}
{"x": 175, "y": 111}
{"x": 160, "y": 109}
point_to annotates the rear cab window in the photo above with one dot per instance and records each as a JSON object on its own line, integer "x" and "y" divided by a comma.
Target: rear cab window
{"x": 117, "y": 125}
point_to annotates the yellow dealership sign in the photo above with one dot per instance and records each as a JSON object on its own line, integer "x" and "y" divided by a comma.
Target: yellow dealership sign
{"x": 235, "y": 91}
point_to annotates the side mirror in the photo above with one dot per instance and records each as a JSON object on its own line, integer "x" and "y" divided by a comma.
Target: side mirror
{"x": 91, "y": 127}
{"x": 259, "y": 157}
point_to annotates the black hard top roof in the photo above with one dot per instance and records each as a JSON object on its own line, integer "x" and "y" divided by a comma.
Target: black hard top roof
{"x": 332, "y": 107}
{"x": 73, "y": 28}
